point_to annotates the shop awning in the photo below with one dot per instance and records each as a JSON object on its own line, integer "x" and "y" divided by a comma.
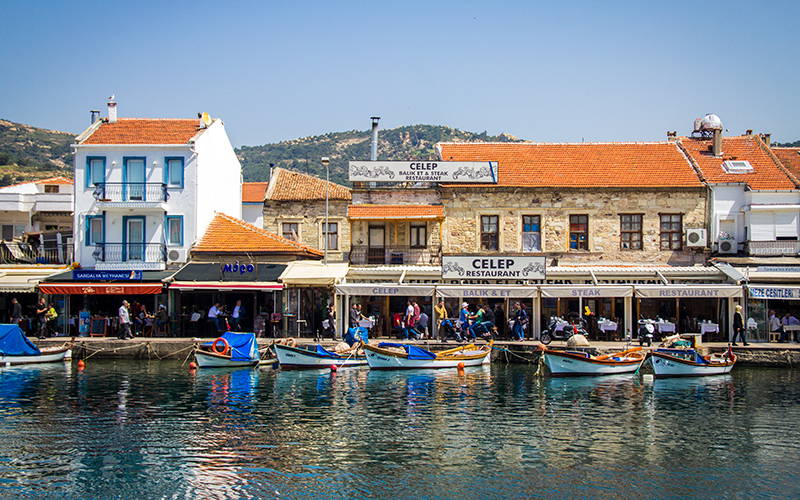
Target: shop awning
{"x": 21, "y": 280}
{"x": 370, "y": 289}
{"x": 688, "y": 291}
{"x": 314, "y": 273}
{"x": 586, "y": 292}
{"x": 227, "y": 276}
{"x": 774, "y": 292}
{"x": 486, "y": 291}
{"x": 101, "y": 288}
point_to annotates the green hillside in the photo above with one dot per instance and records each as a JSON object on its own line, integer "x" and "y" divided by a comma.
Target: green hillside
{"x": 30, "y": 153}
{"x": 303, "y": 155}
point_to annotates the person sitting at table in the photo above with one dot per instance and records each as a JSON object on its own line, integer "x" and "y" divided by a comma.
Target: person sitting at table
{"x": 162, "y": 318}
{"x": 214, "y": 315}
{"x": 788, "y": 319}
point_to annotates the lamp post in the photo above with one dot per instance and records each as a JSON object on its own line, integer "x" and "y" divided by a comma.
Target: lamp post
{"x": 325, "y": 162}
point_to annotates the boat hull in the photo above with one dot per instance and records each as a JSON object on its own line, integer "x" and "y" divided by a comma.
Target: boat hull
{"x": 565, "y": 364}
{"x": 47, "y": 356}
{"x": 665, "y": 365}
{"x": 384, "y": 359}
{"x": 293, "y": 358}
{"x": 207, "y": 359}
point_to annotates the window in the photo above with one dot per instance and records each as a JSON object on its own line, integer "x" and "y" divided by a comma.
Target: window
{"x": 11, "y": 231}
{"x": 332, "y": 234}
{"x": 489, "y": 232}
{"x": 95, "y": 170}
{"x": 531, "y": 233}
{"x": 419, "y": 236}
{"x": 48, "y": 188}
{"x": 579, "y": 232}
{"x": 289, "y": 230}
{"x": 94, "y": 229}
{"x": 671, "y": 231}
{"x": 134, "y": 175}
{"x": 173, "y": 176}
{"x": 175, "y": 230}
{"x": 737, "y": 166}
{"x": 630, "y": 231}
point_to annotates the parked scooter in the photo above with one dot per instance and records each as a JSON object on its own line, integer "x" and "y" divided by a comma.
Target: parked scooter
{"x": 647, "y": 331}
{"x": 552, "y": 332}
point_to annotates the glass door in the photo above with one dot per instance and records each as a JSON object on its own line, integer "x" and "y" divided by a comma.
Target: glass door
{"x": 376, "y": 253}
{"x": 134, "y": 179}
{"x": 134, "y": 238}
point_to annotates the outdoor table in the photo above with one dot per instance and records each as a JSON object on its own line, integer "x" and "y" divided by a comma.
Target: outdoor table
{"x": 366, "y": 323}
{"x": 666, "y": 327}
{"x": 607, "y": 327}
{"x": 791, "y": 330}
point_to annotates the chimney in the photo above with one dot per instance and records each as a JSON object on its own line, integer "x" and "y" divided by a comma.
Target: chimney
{"x": 374, "y": 154}
{"x": 95, "y": 113}
{"x": 112, "y": 110}
{"x": 716, "y": 145}
{"x": 672, "y": 136}
{"x": 766, "y": 138}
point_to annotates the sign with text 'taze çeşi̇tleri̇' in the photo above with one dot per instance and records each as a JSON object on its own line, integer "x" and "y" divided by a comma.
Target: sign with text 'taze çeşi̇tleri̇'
{"x": 423, "y": 171}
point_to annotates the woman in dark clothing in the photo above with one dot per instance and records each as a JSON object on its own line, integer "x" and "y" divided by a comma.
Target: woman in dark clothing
{"x": 738, "y": 326}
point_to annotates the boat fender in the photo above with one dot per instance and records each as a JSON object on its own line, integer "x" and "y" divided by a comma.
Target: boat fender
{"x": 222, "y": 352}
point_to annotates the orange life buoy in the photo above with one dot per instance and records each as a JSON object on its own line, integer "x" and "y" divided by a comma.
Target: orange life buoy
{"x": 224, "y": 351}
{"x": 289, "y": 341}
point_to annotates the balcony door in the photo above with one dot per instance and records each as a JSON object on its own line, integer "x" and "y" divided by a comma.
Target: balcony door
{"x": 133, "y": 239}
{"x": 376, "y": 253}
{"x": 134, "y": 179}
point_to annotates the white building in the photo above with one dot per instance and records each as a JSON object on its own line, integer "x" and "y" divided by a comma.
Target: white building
{"x": 253, "y": 202}
{"x": 42, "y": 205}
{"x": 146, "y": 189}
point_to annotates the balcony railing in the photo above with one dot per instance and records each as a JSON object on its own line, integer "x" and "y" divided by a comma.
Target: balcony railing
{"x": 396, "y": 255}
{"x": 130, "y": 252}
{"x": 767, "y": 248}
{"x": 13, "y": 252}
{"x": 117, "y": 192}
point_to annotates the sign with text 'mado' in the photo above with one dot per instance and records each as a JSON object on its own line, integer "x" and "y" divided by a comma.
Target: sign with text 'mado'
{"x": 423, "y": 171}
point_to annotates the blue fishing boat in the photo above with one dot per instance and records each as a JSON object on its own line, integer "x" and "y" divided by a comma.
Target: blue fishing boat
{"x": 16, "y": 349}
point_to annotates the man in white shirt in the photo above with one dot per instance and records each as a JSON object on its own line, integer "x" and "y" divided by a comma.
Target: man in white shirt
{"x": 124, "y": 322}
{"x": 213, "y": 315}
{"x": 238, "y": 310}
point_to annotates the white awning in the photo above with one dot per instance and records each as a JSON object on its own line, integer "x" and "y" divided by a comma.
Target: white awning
{"x": 305, "y": 272}
{"x": 486, "y": 291}
{"x": 587, "y": 292}
{"x": 21, "y": 280}
{"x": 688, "y": 291}
{"x": 369, "y": 289}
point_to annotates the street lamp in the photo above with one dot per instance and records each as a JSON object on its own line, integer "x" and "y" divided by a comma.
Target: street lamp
{"x": 325, "y": 162}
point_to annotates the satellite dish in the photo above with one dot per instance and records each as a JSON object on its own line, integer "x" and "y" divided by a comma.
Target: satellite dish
{"x": 206, "y": 119}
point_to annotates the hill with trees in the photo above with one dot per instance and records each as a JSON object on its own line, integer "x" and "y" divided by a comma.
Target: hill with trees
{"x": 29, "y": 153}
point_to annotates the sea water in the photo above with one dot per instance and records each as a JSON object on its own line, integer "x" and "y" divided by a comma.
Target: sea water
{"x": 158, "y": 430}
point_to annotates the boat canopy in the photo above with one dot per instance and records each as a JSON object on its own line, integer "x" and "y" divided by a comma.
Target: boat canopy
{"x": 412, "y": 351}
{"x": 13, "y": 342}
{"x": 243, "y": 345}
{"x": 326, "y": 353}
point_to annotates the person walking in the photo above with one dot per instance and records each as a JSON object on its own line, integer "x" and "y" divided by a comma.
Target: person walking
{"x": 441, "y": 315}
{"x": 41, "y": 322}
{"x": 124, "y": 322}
{"x": 520, "y": 319}
{"x": 738, "y": 327}
{"x": 237, "y": 313}
{"x": 16, "y": 311}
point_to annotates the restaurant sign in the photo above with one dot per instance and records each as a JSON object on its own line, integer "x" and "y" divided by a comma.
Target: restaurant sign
{"x": 423, "y": 171}
{"x": 774, "y": 292}
{"x": 87, "y": 275}
{"x": 496, "y": 267}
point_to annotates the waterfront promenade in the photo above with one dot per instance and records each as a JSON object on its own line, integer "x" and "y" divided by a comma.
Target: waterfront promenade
{"x": 756, "y": 354}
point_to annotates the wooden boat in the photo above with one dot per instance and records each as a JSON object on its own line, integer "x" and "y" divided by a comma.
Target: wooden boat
{"x": 17, "y": 349}
{"x": 389, "y": 356}
{"x": 229, "y": 350}
{"x": 577, "y": 363}
{"x": 689, "y": 363}
{"x": 298, "y": 358}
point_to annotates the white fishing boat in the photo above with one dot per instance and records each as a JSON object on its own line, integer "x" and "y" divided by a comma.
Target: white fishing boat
{"x": 298, "y": 358}
{"x": 229, "y": 350}
{"x": 689, "y": 363}
{"x": 17, "y": 349}
{"x": 578, "y": 363}
{"x": 390, "y": 356}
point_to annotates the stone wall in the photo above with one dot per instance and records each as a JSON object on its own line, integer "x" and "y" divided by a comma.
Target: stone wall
{"x": 310, "y": 216}
{"x": 464, "y": 207}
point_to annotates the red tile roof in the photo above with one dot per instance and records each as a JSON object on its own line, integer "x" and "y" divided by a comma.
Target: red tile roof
{"x": 383, "y": 212}
{"x": 581, "y": 165}
{"x": 144, "y": 131}
{"x": 285, "y": 185}
{"x": 768, "y": 173}
{"x": 227, "y": 235}
{"x": 253, "y": 192}
{"x": 54, "y": 180}
{"x": 790, "y": 158}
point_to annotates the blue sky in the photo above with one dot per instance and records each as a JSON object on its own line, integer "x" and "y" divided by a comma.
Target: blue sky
{"x": 543, "y": 71}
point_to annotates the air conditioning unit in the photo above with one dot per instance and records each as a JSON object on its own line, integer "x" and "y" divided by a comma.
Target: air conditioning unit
{"x": 176, "y": 255}
{"x": 696, "y": 238}
{"x": 728, "y": 246}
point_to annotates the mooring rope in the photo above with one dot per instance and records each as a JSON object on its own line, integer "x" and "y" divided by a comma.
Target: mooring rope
{"x": 512, "y": 353}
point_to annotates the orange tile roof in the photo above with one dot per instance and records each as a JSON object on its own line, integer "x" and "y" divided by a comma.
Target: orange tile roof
{"x": 145, "y": 131}
{"x": 227, "y": 235}
{"x": 768, "y": 173}
{"x": 285, "y": 185}
{"x": 54, "y": 180}
{"x": 790, "y": 158}
{"x": 253, "y": 192}
{"x": 580, "y": 165}
{"x": 384, "y": 212}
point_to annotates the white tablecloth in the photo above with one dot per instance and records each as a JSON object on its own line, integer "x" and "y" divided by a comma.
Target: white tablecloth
{"x": 709, "y": 328}
{"x": 607, "y": 326}
{"x": 366, "y": 323}
{"x": 666, "y": 327}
